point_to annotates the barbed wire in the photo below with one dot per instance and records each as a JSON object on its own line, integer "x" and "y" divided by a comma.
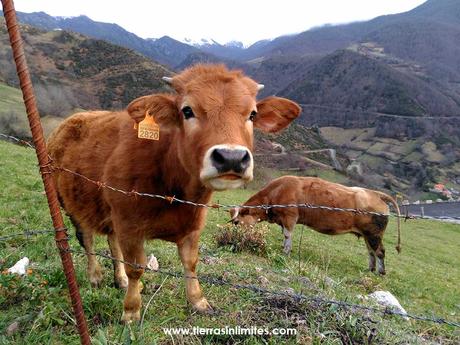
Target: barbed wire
{"x": 258, "y": 289}
{"x": 265, "y": 207}
{"x": 26, "y": 234}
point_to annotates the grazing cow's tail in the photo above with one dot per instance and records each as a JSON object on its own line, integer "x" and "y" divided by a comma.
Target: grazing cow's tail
{"x": 387, "y": 198}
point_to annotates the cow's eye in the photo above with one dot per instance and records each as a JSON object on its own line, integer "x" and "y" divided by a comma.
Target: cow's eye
{"x": 252, "y": 116}
{"x": 188, "y": 112}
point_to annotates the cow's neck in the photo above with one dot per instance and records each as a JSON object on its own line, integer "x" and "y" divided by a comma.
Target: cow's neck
{"x": 178, "y": 180}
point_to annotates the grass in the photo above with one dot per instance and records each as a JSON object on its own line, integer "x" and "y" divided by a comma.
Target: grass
{"x": 12, "y": 111}
{"x": 425, "y": 278}
{"x": 11, "y": 99}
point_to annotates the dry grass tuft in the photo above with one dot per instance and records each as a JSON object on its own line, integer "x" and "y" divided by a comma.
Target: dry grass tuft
{"x": 243, "y": 239}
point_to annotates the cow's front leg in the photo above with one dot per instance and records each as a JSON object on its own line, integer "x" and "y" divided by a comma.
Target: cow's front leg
{"x": 120, "y": 277}
{"x": 188, "y": 252}
{"x": 133, "y": 255}
{"x": 287, "y": 240}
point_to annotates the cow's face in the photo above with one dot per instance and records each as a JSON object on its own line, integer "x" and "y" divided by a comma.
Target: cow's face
{"x": 213, "y": 115}
{"x": 245, "y": 216}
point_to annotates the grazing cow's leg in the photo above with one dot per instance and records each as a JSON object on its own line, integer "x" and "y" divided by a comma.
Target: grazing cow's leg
{"x": 188, "y": 252}
{"x": 133, "y": 252}
{"x": 371, "y": 257}
{"x": 287, "y": 240}
{"x": 381, "y": 258}
{"x": 376, "y": 245}
{"x": 120, "y": 277}
{"x": 93, "y": 270}
{"x": 289, "y": 223}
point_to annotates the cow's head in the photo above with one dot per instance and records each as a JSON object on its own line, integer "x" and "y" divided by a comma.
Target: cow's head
{"x": 246, "y": 216}
{"x": 213, "y": 114}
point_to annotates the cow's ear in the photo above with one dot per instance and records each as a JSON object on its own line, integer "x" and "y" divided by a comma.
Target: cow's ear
{"x": 161, "y": 106}
{"x": 234, "y": 212}
{"x": 275, "y": 113}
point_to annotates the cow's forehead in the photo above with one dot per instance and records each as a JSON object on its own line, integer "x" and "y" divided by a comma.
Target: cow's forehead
{"x": 214, "y": 79}
{"x": 230, "y": 96}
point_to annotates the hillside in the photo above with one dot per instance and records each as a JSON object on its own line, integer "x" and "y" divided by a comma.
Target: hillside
{"x": 396, "y": 76}
{"x": 71, "y": 71}
{"x": 348, "y": 79}
{"x": 165, "y": 50}
{"x": 13, "y": 118}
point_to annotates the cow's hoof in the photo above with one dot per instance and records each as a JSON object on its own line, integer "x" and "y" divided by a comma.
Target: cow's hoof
{"x": 95, "y": 278}
{"x": 382, "y": 273}
{"x": 130, "y": 316}
{"x": 121, "y": 282}
{"x": 287, "y": 251}
{"x": 203, "y": 307}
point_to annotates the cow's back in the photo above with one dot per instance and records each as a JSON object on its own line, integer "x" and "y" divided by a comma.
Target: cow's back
{"x": 83, "y": 143}
{"x": 315, "y": 191}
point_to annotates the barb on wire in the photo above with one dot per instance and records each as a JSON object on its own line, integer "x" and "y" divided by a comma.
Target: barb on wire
{"x": 257, "y": 289}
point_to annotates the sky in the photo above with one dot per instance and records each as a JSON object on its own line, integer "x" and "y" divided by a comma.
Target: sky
{"x": 247, "y": 21}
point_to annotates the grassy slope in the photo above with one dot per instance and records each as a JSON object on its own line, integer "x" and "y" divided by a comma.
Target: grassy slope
{"x": 11, "y": 99}
{"x": 424, "y": 278}
{"x": 12, "y": 111}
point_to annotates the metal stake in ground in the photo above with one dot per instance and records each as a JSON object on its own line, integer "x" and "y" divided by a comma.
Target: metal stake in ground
{"x": 44, "y": 163}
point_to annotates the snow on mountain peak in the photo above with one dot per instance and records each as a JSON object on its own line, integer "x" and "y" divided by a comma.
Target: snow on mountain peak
{"x": 202, "y": 42}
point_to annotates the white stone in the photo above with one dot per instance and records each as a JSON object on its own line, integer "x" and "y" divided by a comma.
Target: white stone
{"x": 386, "y": 299}
{"x": 152, "y": 263}
{"x": 20, "y": 267}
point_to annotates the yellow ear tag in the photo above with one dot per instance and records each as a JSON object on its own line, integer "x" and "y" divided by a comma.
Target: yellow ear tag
{"x": 148, "y": 128}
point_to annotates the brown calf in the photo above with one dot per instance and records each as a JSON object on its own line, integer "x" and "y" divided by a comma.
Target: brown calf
{"x": 205, "y": 143}
{"x": 315, "y": 191}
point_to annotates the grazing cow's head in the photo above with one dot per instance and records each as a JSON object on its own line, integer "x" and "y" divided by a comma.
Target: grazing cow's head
{"x": 246, "y": 216}
{"x": 213, "y": 114}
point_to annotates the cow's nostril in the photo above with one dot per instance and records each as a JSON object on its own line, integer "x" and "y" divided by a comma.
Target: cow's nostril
{"x": 217, "y": 157}
{"x": 247, "y": 158}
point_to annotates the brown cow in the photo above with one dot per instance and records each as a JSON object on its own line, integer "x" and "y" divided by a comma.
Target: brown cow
{"x": 310, "y": 190}
{"x": 205, "y": 143}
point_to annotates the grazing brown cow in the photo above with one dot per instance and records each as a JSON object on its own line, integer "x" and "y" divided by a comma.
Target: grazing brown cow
{"x": 205, "y": 143}
{"x": 315, "y": 191}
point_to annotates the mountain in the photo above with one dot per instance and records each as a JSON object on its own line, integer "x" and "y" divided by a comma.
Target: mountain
{"x": 443, "y": 11}
{"x": 348, "y": 79}
{"x": 169, "y": 51}
{"x": 428, "y": 34}
{"x": 233, "y": 50}
{"x": 277, "y": 72}
{"x": 73, "y": 71}
{"x": 165, "y": 50}
{"x": 386, "y": 91}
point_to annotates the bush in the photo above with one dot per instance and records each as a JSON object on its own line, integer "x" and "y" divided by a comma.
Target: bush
{"x": 243, "y": 239}
{"x": 56, "y": 100}
{"x": 15, "y": 124}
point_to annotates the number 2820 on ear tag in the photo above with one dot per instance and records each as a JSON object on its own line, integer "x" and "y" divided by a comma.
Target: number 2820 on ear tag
{"x": 148, "y": 128}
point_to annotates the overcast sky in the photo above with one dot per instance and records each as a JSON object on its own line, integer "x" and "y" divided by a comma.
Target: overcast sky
{"x": 243, "y": 20}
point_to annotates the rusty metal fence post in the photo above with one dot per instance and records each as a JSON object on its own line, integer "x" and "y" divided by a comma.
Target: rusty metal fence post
{"x": 44, "y": 163}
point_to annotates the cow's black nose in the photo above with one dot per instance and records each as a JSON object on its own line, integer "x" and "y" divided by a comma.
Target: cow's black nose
{"x": 228, "y": 160}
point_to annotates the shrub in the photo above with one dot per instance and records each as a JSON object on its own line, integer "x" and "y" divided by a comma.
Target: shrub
{"x": 243, "y": 239}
